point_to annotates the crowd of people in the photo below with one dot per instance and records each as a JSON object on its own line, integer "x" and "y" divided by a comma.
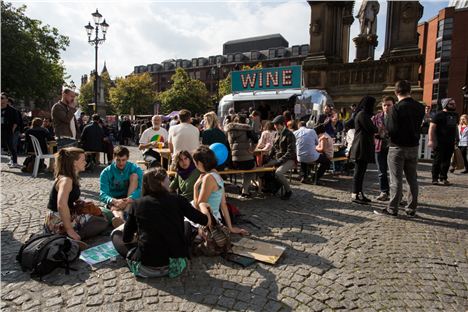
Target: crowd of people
{"x": 157, "y": 219}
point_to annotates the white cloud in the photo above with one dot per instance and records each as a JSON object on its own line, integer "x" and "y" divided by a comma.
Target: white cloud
{"x": 146, "y": 32}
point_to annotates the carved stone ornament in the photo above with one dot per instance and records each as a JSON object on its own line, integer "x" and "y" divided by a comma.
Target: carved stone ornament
{"x": 316, "y": 28}
{"x": 408, "y": 13}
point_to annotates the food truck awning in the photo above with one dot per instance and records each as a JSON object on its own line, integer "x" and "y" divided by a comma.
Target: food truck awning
{"x": 265, "y": 95}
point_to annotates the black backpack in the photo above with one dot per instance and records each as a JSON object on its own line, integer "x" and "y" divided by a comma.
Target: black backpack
{"x": 42, "y": 253}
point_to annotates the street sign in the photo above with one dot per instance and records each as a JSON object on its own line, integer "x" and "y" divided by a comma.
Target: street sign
{"x": 275, "y": 78}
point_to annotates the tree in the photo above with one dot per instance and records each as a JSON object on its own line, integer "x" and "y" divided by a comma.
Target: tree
{"x": 133, "y": 91}
{"x": 87, "y": 92}
{"x": 31, "y": 63}
{"x": 225, "y": 84}
{"x": 185, "y": 93}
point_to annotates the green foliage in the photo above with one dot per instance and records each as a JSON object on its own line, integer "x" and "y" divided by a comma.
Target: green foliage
{"x": 133, "y": 91}
{"x": 31, "y": 64}
{"x": 185, "y": 93}
{"x": 225, "y": 84}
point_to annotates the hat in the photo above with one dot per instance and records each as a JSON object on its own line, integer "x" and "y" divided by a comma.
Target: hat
{"x": 278, "y": 120}
{"x": 445, "y": 102}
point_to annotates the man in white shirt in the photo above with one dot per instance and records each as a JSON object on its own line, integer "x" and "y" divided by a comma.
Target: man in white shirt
{"x": 150, "y": 138}
{"x": 184, "y": 136}
{"x": 306, "y": 140}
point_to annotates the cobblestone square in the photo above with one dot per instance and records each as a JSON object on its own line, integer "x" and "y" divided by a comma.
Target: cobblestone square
{"x": 339, "y": 255}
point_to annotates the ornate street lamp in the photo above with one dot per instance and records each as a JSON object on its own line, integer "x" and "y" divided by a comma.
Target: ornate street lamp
{"x": 97, "y": 17}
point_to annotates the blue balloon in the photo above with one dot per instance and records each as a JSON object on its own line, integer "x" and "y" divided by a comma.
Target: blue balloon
{"x": 221, "y": 152}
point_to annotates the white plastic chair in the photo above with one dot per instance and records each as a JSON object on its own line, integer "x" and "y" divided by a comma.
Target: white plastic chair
{"x": 38, "y": 153}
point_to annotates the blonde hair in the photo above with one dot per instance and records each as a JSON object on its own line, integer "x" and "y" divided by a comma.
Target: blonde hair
{"x": 64, "y": 164}
{"x": 464, "y": 116}
{"x": 211, "y": 120}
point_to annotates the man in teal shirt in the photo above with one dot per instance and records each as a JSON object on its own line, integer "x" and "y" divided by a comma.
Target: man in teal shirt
{"x": 120, "y": 184}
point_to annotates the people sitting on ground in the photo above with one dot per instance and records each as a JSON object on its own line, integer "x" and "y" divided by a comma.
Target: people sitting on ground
{"x": 283, "y": 154}
{"x": 155, "y": 239}
{"x": 120, "y": 184}
{"x": 209, "y": 188}
{"x": 184, "y": 136}
{"x": 41, "y": 134}
{"x": 306, "y": 140}
{"x": 242, "y": 141}
{"x": 154, "y": 137}
{"x": 325, "y": 148}
{"x": 64, "y": 216}
{"x": 265, "y": 143}
{"x": 186, "y": 175}
{"x": 92, "y": 139}
{"x": 362, "y": 151}
{"x": 213, "y": 134}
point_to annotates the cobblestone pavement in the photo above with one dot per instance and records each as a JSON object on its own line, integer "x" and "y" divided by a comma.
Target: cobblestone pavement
{"x": 338, "y": 256}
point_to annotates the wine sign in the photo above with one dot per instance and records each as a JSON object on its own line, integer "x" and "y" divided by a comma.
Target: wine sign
{"x": 276, "y": 78}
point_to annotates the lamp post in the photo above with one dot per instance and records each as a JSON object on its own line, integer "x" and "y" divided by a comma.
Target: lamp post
{"x": 97, "y": 17}
{"x": 215, "y": 73}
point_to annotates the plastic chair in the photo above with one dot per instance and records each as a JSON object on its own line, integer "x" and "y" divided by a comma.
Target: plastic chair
{"x": 38, "y": 153}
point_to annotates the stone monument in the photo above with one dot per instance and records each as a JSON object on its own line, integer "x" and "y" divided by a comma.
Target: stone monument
{"x": 366, "y": 41}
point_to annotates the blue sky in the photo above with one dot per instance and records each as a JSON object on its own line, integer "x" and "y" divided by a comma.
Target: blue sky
{"x": 146, "y": 32}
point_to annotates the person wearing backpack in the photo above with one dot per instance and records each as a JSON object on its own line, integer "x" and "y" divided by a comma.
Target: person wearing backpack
{"x": 66, "y": 215}
{"x": 156, "y": 220}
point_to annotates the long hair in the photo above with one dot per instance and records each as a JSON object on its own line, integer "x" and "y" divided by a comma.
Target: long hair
{"x": 206, "y": 156}
{"x": 153, "y": 182}
{"x": 64, "y": 164}
{"x": 211, "y": 120}
{"x": 178, "y": 156}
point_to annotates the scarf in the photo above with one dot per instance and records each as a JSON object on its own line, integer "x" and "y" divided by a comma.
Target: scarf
{"x": 185, "y": 173}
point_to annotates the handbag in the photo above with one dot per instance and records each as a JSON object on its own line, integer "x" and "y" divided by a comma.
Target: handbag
{"x": 457, "y": 159}
{"x": 217, "y": 240}
{"x": 81, "y": 208}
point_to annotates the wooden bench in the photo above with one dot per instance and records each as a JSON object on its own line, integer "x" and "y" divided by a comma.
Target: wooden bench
{"x": 232, "y": 172}
{"x": 314, "y": 167}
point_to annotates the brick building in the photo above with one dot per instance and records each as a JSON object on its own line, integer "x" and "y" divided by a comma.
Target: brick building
{"x": 270, "y": 51}
{"x": 444, "y": 45}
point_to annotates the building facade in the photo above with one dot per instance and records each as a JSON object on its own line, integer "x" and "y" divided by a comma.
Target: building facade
{"x": 241, "y": 52}
{"x": 444, "y": 45}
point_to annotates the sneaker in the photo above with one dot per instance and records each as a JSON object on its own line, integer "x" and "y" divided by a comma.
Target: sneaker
{"x": 403, "y": 203}
{"x": 385, "y": 212}
{"x": 464, "y": 171}
{"x": 355, "y": 198}
{"x": 18, "y": 166}
{"x": 286, "y": 195}
{"x": 383, "y": 197}
{"x": 245, "y": 195}
{"x": 411, "y": 213}
{"x": 435, "y": 182}
{"x": 305, "y": 180}
{"x": 446, "y": 183}
{"x": 365, "y": 199}
{"x": 452, "y": 170}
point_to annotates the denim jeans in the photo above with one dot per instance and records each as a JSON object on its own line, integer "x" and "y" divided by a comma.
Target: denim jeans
{"x": 441, "y": 162}
{"x": 403, "y": 159}
{"x": 382, "y": 167}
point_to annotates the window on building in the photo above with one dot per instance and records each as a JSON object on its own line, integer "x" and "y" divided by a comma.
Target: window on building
{"x": 272, "y": 53}
{"x": 197, "y": 74}
{"x": 435, "y": 91}
{"x": 230, "y": 58}
{"x": 254, "y": 55}
{"x": 295, "y": 50}
{"x": 212, "y": 60}
{"x": 304, "y": 49}
{"x": 238, "y": 57}
{"x": 195, "y": 62}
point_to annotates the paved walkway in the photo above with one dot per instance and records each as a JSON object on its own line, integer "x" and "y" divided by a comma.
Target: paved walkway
{"x": 339, "y": 256}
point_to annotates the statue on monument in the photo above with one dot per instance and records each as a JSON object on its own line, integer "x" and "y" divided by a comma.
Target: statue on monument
{"x": 368, "y": 17}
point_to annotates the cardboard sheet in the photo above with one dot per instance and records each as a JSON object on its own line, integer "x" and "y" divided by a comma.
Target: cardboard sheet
{"x": 257, "y": 250}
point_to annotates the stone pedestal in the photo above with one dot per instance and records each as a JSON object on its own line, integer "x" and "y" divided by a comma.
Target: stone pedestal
{"x": 365, "y": 47}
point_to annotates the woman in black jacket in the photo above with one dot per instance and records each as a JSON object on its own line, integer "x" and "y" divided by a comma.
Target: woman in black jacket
{"x": 157, "y": 218}
{"x": 362, "y": 149}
